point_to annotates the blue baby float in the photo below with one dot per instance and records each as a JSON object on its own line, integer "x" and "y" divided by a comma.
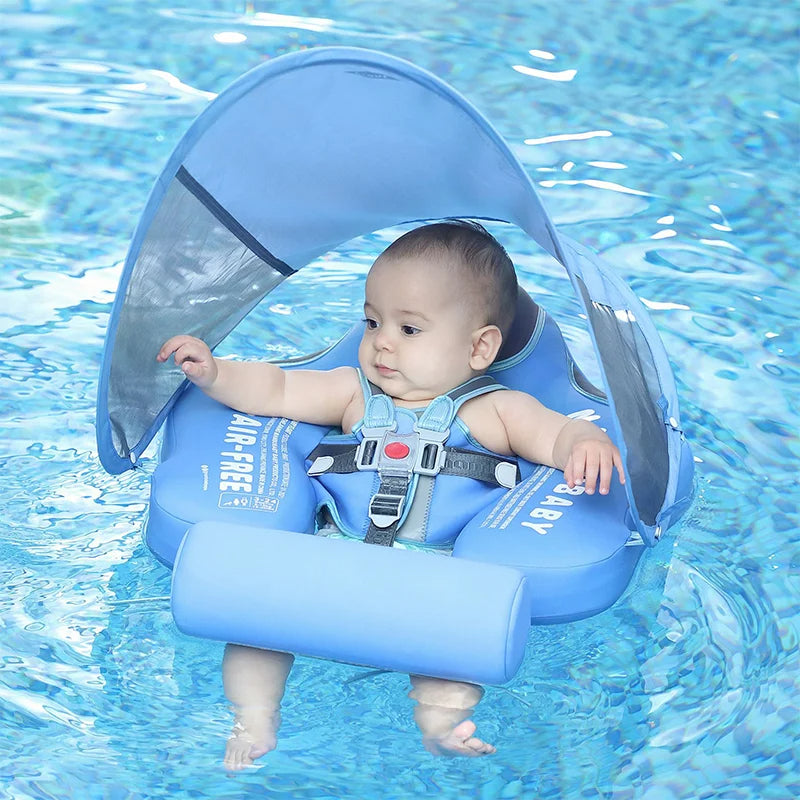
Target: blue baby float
{"x": 297, "y": 156}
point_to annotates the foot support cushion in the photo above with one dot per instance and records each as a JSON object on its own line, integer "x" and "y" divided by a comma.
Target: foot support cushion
{"x": 402, "y": 610}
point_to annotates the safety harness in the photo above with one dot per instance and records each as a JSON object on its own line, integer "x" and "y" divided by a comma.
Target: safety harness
{"x": 399, "y": 458}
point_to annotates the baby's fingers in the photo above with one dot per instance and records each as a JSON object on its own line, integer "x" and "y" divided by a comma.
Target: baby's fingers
{"x": 200, "y": 369}
{"x": 570, "y": 473}
{"x": 194, "y": 358}
{"x": 610, "y": 458}
{"x": 619, "y": 465}
{"x": 185, "y": 349}
{"x": 591, "y": 470}
{"x": 191, "y": 369}
{"x": 578, "y": 469}
{"x": 606, "y": 470}
{"x": 172, "y": 345}
{"x": 593, "y": 467}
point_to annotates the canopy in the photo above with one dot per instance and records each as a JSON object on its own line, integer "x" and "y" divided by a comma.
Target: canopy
{"x": 308, "y": 151}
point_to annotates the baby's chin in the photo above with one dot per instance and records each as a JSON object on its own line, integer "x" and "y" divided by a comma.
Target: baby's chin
{"x": 397, "y": 388}
{"x": 410, "y": 398}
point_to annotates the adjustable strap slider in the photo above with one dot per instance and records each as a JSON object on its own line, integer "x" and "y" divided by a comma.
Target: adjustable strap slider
{"x": 386, "y": 509}
{"x": 431, "y": 453}
{"x": 367, "y": 454}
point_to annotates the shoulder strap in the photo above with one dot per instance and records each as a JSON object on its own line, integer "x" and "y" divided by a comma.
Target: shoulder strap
{"x": 378, "y": 407}
{"x": 482, "y": 384}
{"x": 442, "y": 410}
{"x": 367, "y": 387}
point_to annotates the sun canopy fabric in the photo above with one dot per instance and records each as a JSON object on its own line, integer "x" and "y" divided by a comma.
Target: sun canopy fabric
{"x": 308, "y": 151}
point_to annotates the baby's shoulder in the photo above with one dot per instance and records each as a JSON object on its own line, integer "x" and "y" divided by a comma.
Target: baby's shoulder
{"x": 345, "y": 376}
{"x": 482, "y": 417}
{"x": 500, "y": 402}
{"x": 349, "y": 382}
{"x": 513, "y": 401}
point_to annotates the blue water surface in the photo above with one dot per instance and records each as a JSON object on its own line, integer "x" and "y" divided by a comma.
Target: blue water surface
{"x": 665, "y": 135}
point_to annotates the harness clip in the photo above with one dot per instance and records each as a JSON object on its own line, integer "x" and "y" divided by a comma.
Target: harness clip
{"x": 421, "y": 452}
{"x": 370, "y": 447}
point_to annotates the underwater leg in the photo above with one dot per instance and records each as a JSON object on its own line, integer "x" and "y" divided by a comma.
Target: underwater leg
{"x": 443, "y": 714}
{"x": 254, "y": 682}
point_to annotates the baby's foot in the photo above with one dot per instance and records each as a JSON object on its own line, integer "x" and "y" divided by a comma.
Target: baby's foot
{"x": 255, "y": 733}
{"x": 459, "y": 742}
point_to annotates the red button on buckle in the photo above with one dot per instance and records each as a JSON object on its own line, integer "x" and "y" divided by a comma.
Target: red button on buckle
{"x": 396, "y": 450}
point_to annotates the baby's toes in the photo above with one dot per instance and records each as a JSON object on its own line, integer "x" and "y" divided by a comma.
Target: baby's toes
{"x": 237, "y": 753}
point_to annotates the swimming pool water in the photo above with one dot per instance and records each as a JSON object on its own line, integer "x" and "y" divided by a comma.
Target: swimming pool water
{"x": 664, "y": 134}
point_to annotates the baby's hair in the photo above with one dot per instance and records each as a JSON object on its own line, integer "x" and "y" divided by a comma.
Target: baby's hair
{"x": 475, "y": 250}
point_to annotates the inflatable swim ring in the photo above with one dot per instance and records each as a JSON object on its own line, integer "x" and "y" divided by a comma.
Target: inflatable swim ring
{"x": 297, "y": 156}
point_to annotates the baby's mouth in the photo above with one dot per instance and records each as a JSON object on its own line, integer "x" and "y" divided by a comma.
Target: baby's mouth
{"x": 385, "y": 371}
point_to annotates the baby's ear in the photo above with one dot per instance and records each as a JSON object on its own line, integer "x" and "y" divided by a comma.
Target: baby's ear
{"x": 486, "y": 343}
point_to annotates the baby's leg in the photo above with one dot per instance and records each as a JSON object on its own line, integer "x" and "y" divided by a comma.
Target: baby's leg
{"x": 442, "y": 714}
{"x": 254, "y": 682}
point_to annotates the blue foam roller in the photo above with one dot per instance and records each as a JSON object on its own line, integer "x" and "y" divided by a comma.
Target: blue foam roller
{"x": 402, "y": 610}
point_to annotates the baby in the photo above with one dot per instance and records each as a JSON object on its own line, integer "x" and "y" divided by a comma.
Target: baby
{"x": 438, "y": 302}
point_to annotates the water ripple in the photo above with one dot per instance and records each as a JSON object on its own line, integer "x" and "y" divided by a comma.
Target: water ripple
{"x": 94, "y": 92}
{"x": 669, "y": 150}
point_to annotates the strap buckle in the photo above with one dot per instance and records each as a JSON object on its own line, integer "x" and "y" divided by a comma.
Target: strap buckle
{"x": 426, "y": 452}
{"x": 371, "y": 453}
{"x": 370, "y": 447}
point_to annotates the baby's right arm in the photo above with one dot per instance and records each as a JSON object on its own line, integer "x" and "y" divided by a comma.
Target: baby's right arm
{"x": 262, "y": 388}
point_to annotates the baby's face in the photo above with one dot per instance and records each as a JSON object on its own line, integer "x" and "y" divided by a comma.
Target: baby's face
{"x": 418, "y": 333}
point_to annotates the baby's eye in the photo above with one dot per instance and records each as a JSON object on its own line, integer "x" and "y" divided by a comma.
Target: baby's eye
{"x": 370, "y": 323}
{"x": 409, "y": 330}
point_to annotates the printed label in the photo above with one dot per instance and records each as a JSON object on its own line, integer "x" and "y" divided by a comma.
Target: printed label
{"x": 543, "y": 515}
{"x": 250, "y": 502}
{"x": 541, "y": 518}
{"x": 254, "y": 467}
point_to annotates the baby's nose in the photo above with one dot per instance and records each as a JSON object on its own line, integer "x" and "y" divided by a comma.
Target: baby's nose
{"x": 383, "y": 341}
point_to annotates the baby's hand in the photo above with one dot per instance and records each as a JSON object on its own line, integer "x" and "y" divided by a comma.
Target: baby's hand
{"x": 590, "y": 458}
{"x": 193, "y": 356}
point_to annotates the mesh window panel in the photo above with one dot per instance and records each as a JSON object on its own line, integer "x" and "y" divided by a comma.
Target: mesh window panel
{"x": 193, "y": 275}
{"x": 634, "y": 385}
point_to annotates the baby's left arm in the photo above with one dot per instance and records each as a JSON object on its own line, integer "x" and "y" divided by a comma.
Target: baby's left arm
{"x": 579, "y": 448}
